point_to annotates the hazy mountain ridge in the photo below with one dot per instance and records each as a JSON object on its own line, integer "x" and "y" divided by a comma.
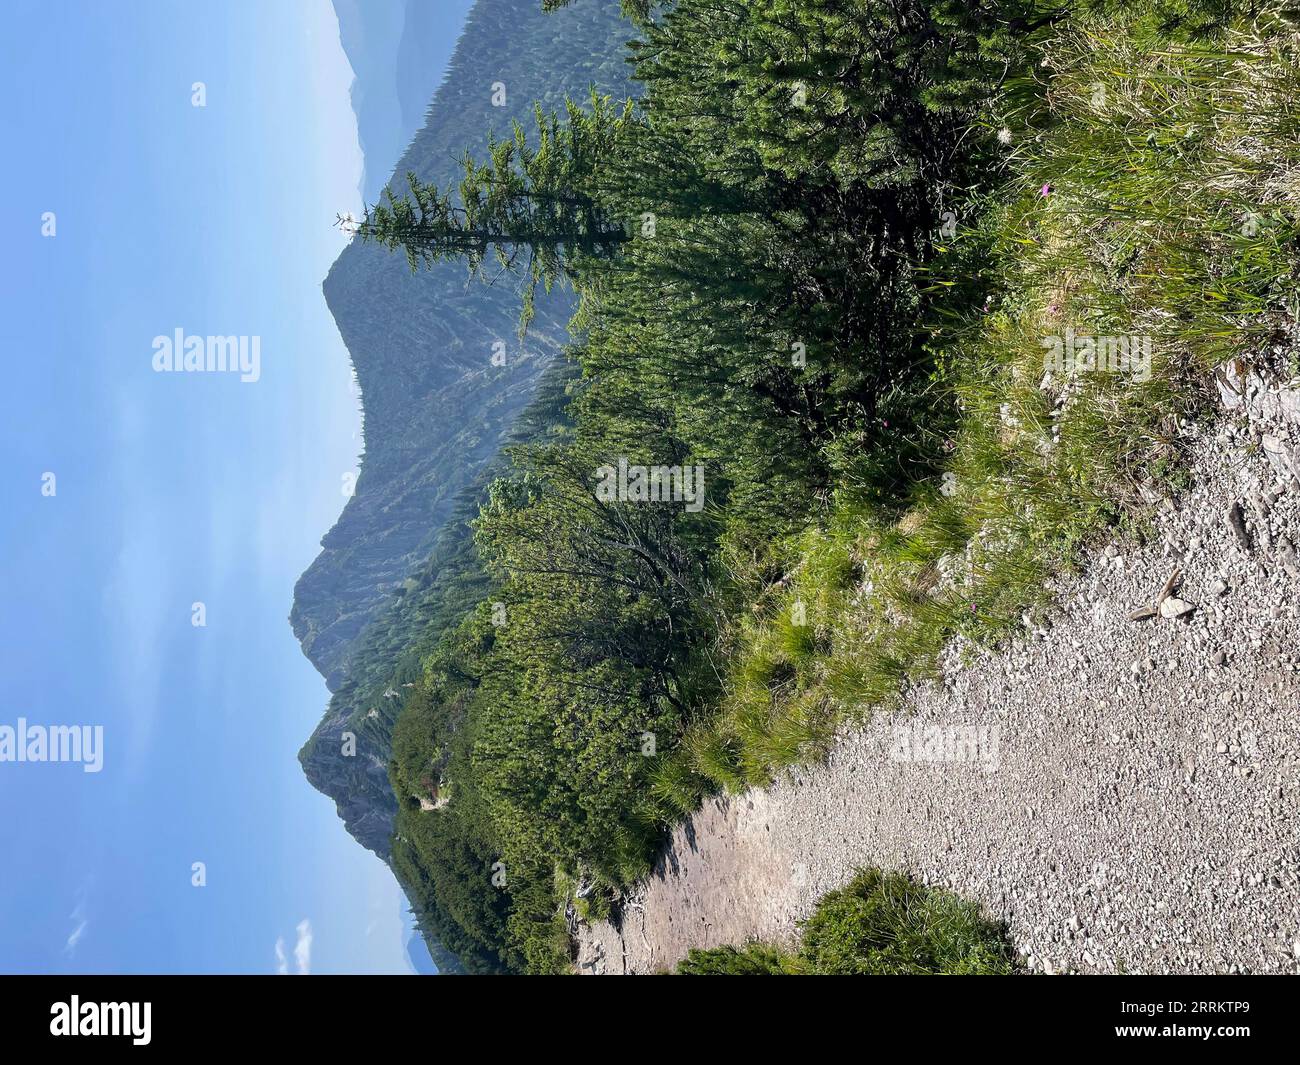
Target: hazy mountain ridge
{"x": 371, "y": 34}
{"x": 398, "y": 51}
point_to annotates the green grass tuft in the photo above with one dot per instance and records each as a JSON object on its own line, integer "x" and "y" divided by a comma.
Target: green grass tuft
{"x": 880, "y": 924}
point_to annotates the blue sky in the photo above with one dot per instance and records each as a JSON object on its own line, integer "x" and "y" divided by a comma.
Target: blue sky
{"x": 173, "y": 488}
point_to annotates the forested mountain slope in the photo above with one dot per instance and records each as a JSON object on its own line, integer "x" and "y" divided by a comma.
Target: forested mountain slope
{"x": 437, "y": 408}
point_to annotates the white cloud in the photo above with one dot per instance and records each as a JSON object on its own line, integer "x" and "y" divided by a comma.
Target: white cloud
{"x": 302, "y": 949}
{"x": 71, "y": 945}
{"x": 78, "y": 915}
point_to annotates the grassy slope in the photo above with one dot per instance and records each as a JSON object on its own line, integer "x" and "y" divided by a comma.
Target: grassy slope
{"x": 1156, "y": 196}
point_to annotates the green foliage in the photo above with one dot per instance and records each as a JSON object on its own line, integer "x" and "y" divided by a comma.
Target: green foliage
{"x": 753, "y": 959}
{"x": 774, "y": 209}
{"x": 885, "y": 924}
{"x": 1145, "y": 201}
{"x": 1165, "y": 20}
{"x": 441, "y": 861}
{"x": 880, "y": 924}
{"x": 794, "y": 312}
{"x": 634, "y": 9}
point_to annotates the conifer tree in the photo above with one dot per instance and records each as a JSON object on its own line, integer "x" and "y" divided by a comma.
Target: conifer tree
{"x": 537, "y": 200}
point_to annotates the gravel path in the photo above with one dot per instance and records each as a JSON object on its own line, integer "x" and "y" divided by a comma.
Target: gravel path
{"x": 1124, "y": 794}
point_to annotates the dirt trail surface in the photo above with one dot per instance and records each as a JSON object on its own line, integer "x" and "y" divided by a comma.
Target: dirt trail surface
{"x": 1125, "y": 794}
